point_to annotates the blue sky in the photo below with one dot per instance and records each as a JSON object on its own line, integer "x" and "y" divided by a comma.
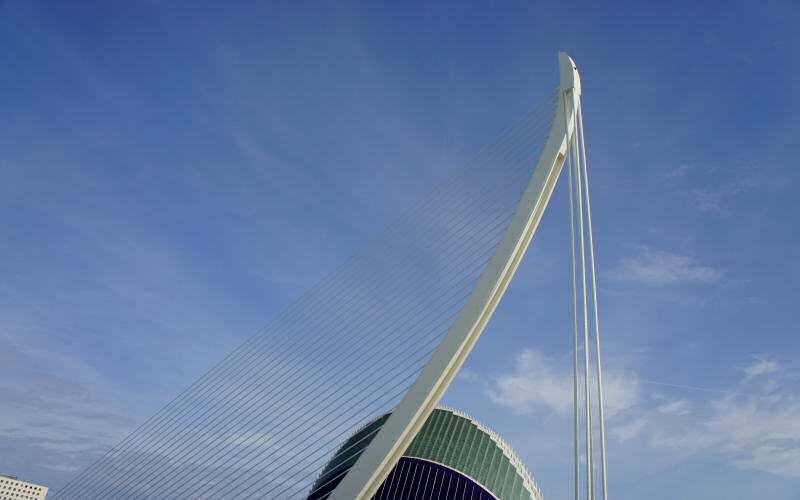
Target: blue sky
{"x": 173, "y": 174}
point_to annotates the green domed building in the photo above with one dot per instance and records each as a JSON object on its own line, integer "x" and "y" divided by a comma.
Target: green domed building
{"x": 452, "y": 457}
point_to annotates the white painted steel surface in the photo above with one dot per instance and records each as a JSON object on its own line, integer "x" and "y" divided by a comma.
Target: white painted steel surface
{"x": 378, "y": 459}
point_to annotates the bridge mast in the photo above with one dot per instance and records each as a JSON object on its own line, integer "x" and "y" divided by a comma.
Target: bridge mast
{"x": 382, "y": 454}
{"x": 579, "y": 191}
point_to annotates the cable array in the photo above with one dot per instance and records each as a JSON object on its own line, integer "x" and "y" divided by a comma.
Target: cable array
{"x": 263, "y": 421}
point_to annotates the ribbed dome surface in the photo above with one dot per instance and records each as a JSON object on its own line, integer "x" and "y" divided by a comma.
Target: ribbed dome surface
{"x": 451, "y": 449}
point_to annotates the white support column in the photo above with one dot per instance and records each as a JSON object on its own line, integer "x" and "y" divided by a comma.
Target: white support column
{"x": 600, "y": 401}
{"x": 581, "y": 204}
{"x": 574, "y": 287}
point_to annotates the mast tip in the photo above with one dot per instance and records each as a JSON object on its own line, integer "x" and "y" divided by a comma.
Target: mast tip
{"x": 570, "y": 79}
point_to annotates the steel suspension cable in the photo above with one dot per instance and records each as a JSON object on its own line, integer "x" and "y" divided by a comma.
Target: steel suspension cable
{"x": 211, "y": 379}
{"x": 214, "y": 369}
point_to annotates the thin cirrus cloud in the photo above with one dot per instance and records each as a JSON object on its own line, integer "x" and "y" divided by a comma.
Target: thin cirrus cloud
{"x": 762, "y": 367}
{"x": 717, "y": 197}
{"x": 754, "y": 424}
{"x": 678, "y": 172}
{"x": 54, "y": 420}
{"x": 660, "y": 268}
{"x": 758, "y": 429}
{"x": 538, "y": 383}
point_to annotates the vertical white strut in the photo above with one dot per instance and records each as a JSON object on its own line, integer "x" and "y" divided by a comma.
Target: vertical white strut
{"x": 594, "y": 300}
{"x": 573, "y": 275}
{"x": 586, "y": 369}
{"x": 578, "y": 167}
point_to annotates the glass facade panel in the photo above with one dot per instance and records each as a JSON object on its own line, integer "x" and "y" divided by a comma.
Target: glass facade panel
{"x": 495, "y": 461}
{"x": 469, "y": 445}
{"x": 455, "y": 444}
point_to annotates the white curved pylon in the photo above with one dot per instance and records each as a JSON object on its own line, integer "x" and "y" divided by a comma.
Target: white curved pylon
{"x": 378, "y": 459}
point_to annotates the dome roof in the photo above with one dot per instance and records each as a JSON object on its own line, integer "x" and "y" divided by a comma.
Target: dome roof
{"x": 451, "y": 439}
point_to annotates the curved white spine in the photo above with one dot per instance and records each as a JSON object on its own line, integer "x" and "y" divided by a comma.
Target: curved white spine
{"x": 378, "y": 459}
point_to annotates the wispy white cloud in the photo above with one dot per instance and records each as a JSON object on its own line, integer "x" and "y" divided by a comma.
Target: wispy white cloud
{"x": 620, "y": 391}
{"x": 54, "y": 415}
{"x": 630, "y": 430}
{"x": 751, "y": 432}
{"x": 538, "y": 382}
{"x": 677, "y": 407}
{"x": 736, "y": 183}
{"x": 654, "y": 267}
{"x": 534, "y": 383}
{"x": 678, "y": 172}
{"x": 750, "y": 425}
{"x": 761, "y": 367}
